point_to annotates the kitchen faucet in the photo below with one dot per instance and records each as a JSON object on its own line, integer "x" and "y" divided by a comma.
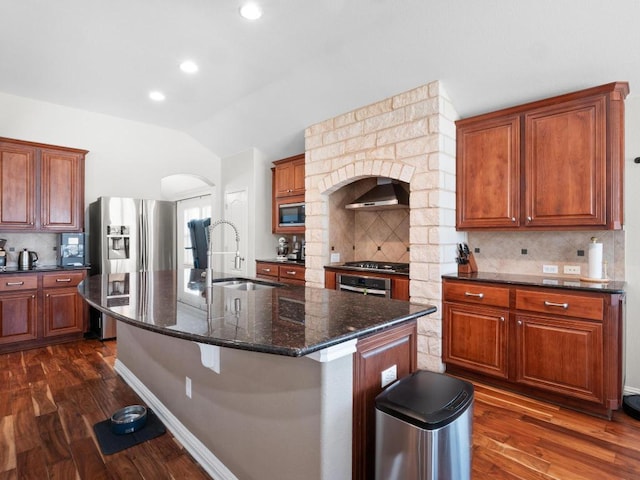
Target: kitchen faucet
{"x": 237, "y": 263}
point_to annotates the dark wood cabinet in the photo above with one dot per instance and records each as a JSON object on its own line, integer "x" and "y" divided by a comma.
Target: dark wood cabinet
{"x": 64, "y": 310}
{"x": 289, "y": 273}
{"x": 18, "y": 309}
{"x": 41, "y": 308}
{"x": 18, "y": 182}
{"x": 289, "y": 176}
{"x": 62, "y": 191}
{"x": 42, "y": 187}
{"x": 554, "y": 163}
{"x": 288, "y": 187}
{"x": 376, "y": 353}
{"x": 558, "y": 344}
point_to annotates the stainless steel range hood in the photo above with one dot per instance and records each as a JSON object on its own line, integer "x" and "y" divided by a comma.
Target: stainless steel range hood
{"x": 384, "y": 196}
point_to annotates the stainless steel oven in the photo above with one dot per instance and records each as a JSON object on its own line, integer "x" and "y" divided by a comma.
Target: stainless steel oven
{"x": 375, "y": 286}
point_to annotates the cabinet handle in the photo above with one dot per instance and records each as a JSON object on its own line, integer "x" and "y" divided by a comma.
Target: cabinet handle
{"x": 291, "y": 273}
{"x": 266, "y": 269}
{"x": 502, "y": 319}
{"x": 529, "y": 219}
{"x": 519, "y": 322}
{"x": 13, "y": 284}
{"x": 513, "y": 219}
{"x": 551, "y": 304}
{"x": 63, "y": 280}
{"x": 479, "y": 295}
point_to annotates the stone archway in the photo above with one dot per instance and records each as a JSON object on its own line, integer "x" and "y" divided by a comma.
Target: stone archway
{"x": 408, "y": 137}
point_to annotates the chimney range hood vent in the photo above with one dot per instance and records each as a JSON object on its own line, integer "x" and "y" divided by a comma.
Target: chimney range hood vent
{"x": 384, "y": 196}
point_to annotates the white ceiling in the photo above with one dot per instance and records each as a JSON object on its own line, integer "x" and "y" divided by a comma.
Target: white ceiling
{"x": 262, "y": 83}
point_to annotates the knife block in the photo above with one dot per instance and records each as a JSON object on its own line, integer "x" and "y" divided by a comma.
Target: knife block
{"x": 471, "y": 267}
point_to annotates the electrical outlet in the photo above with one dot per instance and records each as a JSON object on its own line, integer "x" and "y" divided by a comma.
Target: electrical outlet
{"x": 550, "y": 269}
{"x": 335, "y": 257}
{"x": 388, "y": 376}
{"x": 572, "y": 269}
{"x": 187, "y": 386}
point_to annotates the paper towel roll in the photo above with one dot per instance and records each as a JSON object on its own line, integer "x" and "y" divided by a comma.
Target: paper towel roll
{"x": 595, "y": 260}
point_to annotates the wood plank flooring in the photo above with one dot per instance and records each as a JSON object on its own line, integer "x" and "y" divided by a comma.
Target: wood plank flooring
{"x": 51, "y": 397}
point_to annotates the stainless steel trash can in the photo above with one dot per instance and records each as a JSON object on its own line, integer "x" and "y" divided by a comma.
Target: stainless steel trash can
{"x": 424, "y": 427}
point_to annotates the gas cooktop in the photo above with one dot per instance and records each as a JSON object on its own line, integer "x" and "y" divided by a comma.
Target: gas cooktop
{"x": 377, "y": 266}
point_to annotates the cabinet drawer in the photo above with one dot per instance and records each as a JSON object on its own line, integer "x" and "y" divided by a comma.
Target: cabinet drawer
{"x": 291, "y": 272}
{"x": 62, "y": 279}
{"x": 589, "y": 307}
{"x": 18, "y": 282}
{"x": 267, "y": 270}
{"x": 477, "y": 293}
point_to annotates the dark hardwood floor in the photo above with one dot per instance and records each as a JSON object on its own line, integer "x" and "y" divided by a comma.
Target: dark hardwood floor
{"x": 50, "y": 398}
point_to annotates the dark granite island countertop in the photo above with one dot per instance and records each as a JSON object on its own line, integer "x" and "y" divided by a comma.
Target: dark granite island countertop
{"x": 265, "y": 374}
{"x": 286, "y": 320}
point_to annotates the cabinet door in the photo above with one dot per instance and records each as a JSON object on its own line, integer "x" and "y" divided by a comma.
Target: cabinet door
{"x": 289, "y": 177}
{"x": 566, "y": 164}
{"x": 476, "y": 338}
{"x": 376, "y": 353}
{"x": 17, "y": 187}
{"x": 560, "y": 355}
{"x": 18, "y": 317}
{"x": 61, "y": 191}
{"x": 63, "y": 312}
{"x": 488, "y": 173}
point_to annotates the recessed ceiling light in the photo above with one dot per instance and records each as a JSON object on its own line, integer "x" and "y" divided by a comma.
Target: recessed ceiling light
{"x": 250, "y": 11}
{"x": 157, "y": 96}
{"x": 188, "y": 66}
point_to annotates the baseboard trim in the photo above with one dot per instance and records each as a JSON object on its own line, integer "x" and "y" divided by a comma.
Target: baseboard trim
{"x": 209, "y": 462}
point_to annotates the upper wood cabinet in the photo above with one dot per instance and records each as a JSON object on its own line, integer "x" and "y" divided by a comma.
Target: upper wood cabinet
{"x": 289, "y": 176}
{"x": 554, "y": 163}
{"x": 287, "y": 188}
{"x": 42, "y": 187}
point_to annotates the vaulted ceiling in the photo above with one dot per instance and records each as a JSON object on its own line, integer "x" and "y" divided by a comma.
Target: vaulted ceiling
{"x": 261, "y": 83}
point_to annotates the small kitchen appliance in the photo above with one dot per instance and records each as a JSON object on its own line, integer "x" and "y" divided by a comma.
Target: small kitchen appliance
{"x": 27, "y": 259}
{"x": 3, "y": 253}
{"x": 71, "y": 249}
{"x": 283, "y": 249}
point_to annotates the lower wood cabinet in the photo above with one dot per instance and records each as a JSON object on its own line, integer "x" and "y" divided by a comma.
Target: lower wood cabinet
{"x": 40, "y": 308}
{"x": 558, "y": 344}
{"x": 63, "y": 307}
{"x": 376, "y": 353}
{"x": 281, "y": 272}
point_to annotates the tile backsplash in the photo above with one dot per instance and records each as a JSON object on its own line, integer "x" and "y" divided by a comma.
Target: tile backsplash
{"x": 41, "y": 243}
{"x": 527, "y": 252}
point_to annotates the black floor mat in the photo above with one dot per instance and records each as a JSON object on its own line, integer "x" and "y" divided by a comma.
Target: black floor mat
{"x": 111, "y": 443}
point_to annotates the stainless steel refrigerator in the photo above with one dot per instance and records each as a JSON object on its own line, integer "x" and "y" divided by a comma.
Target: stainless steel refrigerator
{"x": 128, "y": 235}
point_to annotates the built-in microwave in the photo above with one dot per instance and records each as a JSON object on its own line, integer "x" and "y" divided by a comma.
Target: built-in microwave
{"x": 291, "y": 214}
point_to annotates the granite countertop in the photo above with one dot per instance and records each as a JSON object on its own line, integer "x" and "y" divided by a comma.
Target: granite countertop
{"x": 41, "y": 268}
{"x": 540, "y": 281}
{"x": 287, "y": 320}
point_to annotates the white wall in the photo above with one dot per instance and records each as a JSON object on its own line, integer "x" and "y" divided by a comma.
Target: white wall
{"x": 632, "y": 228}
{"x": 125, "y": 158}
{"x": 251, "y": 170}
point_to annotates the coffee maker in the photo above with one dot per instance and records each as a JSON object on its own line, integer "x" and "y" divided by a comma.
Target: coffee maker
{"x": 3, "y": 253}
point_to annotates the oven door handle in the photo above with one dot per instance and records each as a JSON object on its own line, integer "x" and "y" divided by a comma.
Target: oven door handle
{"x": 363, "y": 290}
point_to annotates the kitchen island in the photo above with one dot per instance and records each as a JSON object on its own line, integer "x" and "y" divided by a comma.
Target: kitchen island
{"x": 256, "y": 382}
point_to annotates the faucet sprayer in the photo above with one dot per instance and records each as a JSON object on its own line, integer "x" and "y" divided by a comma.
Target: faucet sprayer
{"x": 237, "y": 262}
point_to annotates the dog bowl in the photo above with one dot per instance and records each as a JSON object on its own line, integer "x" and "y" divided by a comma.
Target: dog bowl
{"x": 129, "y": 419}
